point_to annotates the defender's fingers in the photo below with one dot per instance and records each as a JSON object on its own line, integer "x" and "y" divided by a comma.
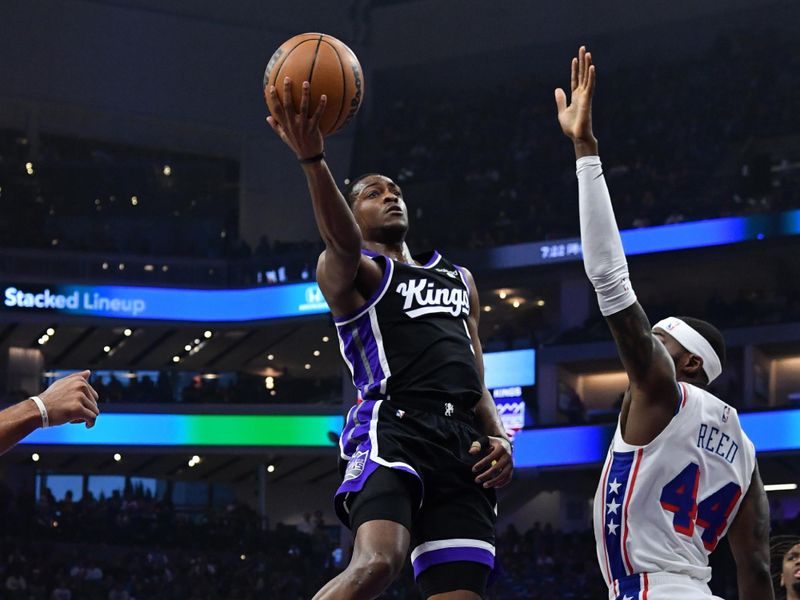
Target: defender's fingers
{"x": 592, "y": 79}
{"x": 561, "y": 100}
{"x": 573, "y": 75}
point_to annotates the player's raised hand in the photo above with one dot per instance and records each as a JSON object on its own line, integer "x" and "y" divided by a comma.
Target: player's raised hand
{"x": 575, "y": 118}
{"x": 299, "y": 130}
{"x": 496, "y": 467}
{"x": 71, "y": 399}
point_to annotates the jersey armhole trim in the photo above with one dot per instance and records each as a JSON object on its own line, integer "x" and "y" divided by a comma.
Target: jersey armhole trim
{"x": 376, "y": 297}
{"x": 619, "y": 443}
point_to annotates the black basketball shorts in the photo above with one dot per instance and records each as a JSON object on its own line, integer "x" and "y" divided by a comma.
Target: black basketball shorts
{"x": 451, "y": 518}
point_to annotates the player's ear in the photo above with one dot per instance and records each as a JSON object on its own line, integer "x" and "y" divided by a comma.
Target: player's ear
{"x": 694, "y": 364}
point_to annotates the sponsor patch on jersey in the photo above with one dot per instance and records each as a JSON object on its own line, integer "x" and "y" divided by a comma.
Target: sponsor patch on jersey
{"x": 355, "y": 466}
{"x": 726, "y": 413}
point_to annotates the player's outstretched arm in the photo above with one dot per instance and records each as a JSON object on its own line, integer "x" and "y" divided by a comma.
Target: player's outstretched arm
{"x": 68, "y": 400}
{"x": 749, "y": 538}
{"x": 496, "y": 466}
{"x": 341, "y": 260}
{"x": 649, "y": 366}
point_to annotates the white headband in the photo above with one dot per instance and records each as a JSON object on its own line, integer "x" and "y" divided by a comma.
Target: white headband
{"x": 694, "y": 342}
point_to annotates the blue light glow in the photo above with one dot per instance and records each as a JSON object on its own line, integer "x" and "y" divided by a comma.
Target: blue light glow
{"x": 510, "y": 368}
{"x": 774, "y": 431}
{"x": 649, "y": 240}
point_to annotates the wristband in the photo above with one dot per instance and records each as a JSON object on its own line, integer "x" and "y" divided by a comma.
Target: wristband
{"x": 312, "y": 159}
{"x": 42, "y": 411}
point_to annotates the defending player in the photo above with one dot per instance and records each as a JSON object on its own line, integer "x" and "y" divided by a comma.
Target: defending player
{"x": 408, "y": 331}
{"x": 680, "y": 469}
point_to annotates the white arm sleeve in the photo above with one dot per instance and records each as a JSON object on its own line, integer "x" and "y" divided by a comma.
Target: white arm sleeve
{"x": 603, "y": 256}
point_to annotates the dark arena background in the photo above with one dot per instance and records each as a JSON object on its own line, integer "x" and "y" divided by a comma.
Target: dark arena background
{"x": 154, "y": 230}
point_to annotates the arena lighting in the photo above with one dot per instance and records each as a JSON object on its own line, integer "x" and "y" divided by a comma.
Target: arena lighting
{"x": 190, "y": 431}
{"x": 117, "y": 457}
{"x": 271, "y": 469}
{"x": 780, "y": 487}
{"x": 325, "y": 339}
{"x": 167, "y": 170}
{"x": 50, "y": 331}
{"x": 35, "y": 457}
{"x": 187, "y": 347}
{"x": 134, "y": 200}
{"x": 540, "y": 303}
{"x": 515, "y": 303}
{"x": 270, "y": 357}
{"x": 207, "y": 334}
{"x": 502, "y": 294}
{"x": 316, "y": 352}
{"x": 149, "y": 268}
{"x": 487, "y": 308}
{"x": 176, "y": 359}
{"x": 307, "y": 366}
{"x": 106, "y": 349}
{"x": 127, "y": 333}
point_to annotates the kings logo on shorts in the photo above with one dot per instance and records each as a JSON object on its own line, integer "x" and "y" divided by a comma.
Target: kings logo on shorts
{"x": 424, "y": 297}
{"x": 355, "y": 466}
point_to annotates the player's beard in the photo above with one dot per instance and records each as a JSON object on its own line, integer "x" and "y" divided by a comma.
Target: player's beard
{"x": 394, "y": 233}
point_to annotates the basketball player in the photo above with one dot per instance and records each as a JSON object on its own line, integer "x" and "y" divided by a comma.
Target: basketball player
{"x": 408, "y": 331}
{"x": 680, "y": 471}
{"x": 68, "y": 400}
{"x": 785, "y": 557}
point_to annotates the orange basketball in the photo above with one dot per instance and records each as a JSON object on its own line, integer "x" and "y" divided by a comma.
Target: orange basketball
{"x": 329, "y": 66}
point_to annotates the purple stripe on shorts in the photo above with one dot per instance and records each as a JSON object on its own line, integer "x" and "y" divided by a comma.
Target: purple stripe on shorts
{"x": 355, "y": 484}
{"x": 446, "y": 555}
{"x": 356, "y": 429}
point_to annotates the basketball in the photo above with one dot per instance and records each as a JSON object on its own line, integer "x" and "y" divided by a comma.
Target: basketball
{"x": 329, "y": 66}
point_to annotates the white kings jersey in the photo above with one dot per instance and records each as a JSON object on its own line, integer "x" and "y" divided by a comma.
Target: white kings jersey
{"x": 662, "y": 508}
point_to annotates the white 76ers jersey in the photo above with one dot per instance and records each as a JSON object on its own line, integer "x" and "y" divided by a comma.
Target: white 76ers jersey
{"x": 663, "y": 507}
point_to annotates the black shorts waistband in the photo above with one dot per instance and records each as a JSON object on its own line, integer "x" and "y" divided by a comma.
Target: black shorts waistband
{"x": 442, "y": 408}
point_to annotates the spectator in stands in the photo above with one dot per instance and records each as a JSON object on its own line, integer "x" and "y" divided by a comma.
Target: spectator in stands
{"x": 785, "y": 566}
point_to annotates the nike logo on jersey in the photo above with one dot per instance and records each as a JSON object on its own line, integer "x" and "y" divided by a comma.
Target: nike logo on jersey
{"x": 422, "y": 297}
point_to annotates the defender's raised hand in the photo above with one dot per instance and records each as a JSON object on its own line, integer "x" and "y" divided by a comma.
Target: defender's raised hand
{"x": 576, "y": 118}
{"x": 299, "y": 130}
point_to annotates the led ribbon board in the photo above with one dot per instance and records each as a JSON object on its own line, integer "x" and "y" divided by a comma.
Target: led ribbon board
{"x": 169, "y": 304}
{"x": 774, "y": 431}
{"x": 649, "y": 240}
{"x": 145, "y": 429}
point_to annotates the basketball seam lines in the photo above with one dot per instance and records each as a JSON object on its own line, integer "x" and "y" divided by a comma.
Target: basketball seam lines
{"x": 288, "y": 52}
{"x": 314, "y": 60}
{"x": 344, "y": 84}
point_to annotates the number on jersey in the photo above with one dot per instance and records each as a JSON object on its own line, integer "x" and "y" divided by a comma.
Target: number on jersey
{"x": 679, "y": 496}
